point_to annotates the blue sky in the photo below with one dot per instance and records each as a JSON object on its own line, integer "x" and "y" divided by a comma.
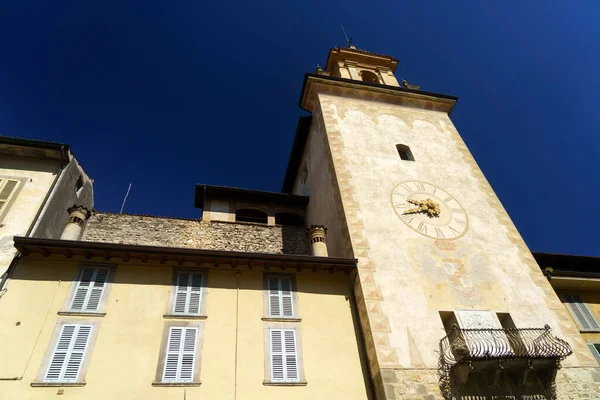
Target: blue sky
{"x": 169, "y": 94}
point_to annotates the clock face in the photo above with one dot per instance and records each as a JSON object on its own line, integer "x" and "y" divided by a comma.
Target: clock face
{"x": 429, "y": 210}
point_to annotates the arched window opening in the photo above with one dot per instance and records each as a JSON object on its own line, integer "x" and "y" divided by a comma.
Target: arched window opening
{"x": 368, "y": 76}
{"x": 289, "y": 219}
{"x": 404, "y": 152}
{"x": 250, "y": 215}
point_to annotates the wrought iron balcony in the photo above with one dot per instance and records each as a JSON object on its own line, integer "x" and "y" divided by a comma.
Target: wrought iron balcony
{"x": 495, "y": 351}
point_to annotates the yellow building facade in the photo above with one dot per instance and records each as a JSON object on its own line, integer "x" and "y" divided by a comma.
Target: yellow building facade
{"x": 127, "y": 339}
{"x": 576, "y": 280}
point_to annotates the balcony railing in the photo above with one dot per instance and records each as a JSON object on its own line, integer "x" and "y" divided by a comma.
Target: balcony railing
{"x": 463, "y": 345}
{"x": 463, "y": 350}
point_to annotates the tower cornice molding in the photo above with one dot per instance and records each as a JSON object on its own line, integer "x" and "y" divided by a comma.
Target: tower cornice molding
{"x": 322, "y": 84}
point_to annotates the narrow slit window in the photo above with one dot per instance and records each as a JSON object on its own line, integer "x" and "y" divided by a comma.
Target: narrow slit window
{"x": 404, "y": 152}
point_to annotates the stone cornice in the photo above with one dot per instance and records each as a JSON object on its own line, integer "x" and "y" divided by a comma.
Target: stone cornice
{"x": 322, "y": 84}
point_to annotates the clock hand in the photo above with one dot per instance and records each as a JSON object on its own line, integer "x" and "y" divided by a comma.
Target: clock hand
{"x": 428, "y": 206}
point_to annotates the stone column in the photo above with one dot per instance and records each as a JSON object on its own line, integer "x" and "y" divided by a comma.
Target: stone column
{"x": 77, "y": 216}
{"x": 317, "y": 240}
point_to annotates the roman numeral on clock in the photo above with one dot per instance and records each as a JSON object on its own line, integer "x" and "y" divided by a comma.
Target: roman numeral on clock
{"x": 460, "y": 221}
{"x": 422, "y": 227}
{"x": 419, "y": 185}
{"x": 406, "y": 187}
{"x": 439, "y": 233}
{"x": 408, "y": 218}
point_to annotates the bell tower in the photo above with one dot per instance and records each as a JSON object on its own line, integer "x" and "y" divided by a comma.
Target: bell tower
{"x": 451, "y": 301}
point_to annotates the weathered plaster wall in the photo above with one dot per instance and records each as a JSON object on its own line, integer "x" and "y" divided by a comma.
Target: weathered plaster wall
{"x": 324, "y": 206}
{"x": 124, "y": 360}
{"x": 401, "y": 296}
{"x": 213, "y": 235}
{"x": 65, "y": 194}
{"x": 39, "y": 175}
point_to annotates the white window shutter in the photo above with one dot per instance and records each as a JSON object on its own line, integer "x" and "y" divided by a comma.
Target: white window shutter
{"x": 277, "y": 367}
{"x": 181, "y": 355}
{"x": 581, "y": 313}
{"x": 286, "y": 297}
{"x": 274, "y": 302}
{"x": 7, "y": 187}
{"x": 291, "y": 355}
{"x": 284, "y": 356}
{"x": 188, "y": 293}
{"x": 281, "y": 303}
{"x": 90, "y": 288}
{"x": 68, "y": 353}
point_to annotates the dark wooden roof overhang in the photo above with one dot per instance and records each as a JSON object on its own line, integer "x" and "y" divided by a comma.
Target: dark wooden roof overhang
{"x": 233, "y": 259}
{"x": 206, "y": 192}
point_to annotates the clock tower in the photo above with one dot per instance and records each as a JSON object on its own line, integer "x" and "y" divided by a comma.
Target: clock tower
{"x": 450, "y": 300}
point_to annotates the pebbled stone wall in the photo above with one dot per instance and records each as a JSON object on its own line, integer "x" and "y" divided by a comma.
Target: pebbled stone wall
{"x": 191, "y": 233}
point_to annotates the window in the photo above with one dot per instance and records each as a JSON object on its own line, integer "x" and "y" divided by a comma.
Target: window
{"x": 250, "y": 215}
{"x": 304, "y": 175}
{"x": 179, "y": 359}
{"x": 284, "y": 358}
{"x": 368, "y": 76}
{"x": 595, "y": 349}
{"x": 79, "y": 184}
{"x": 9, "y": 188}
{"x": 68, "y": 353}
{"x": 283, "y": 354}
{"x": 89, "y": 290}
{"x": 280, "y": 297}
{"x": 188, "y": 294}
{"x": 404, "y": 152}
{"x": 580, "y": 311}
{"x": 289, "y": 219}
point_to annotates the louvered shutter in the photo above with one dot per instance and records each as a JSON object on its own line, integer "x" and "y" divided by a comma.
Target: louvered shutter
{"x": 188, "y": 293}
{"x": 90, "y": 288}
{"x": 291, "y": 356}
{"x": 284, "y": 356}
{"x": 286, "y": 297}
{"x": 280, "y": 297}
{"x": 277, "y": 368}
{"x": 581, "y": 313}
{"x": 7, "y": 187}
{"x": 68, "y": 353}
{"x": 181, "y": 355}
{"x": 274, "y": 303}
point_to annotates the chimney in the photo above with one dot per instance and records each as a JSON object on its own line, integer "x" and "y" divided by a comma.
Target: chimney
{"x": 317, "y": 240}
{"x": 77, "y": 216}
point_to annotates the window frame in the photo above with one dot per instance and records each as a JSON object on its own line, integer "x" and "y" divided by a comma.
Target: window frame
{"x": 13, "y": 195}
{"x": 66, "y": 308}
{"x": 95, "y": 322}
{"x": 170, "y": 313}
{"x": 595, "y": 350}
{"x": 570, "y": 306}
{"x": 295, "y": 309}
{"x": 267, "y": 327}
{"x": 162, "y": 355}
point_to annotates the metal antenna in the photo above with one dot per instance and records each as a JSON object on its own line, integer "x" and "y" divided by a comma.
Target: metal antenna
{"x": 125, "y": 199}
{"x": 347, "y": 40}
